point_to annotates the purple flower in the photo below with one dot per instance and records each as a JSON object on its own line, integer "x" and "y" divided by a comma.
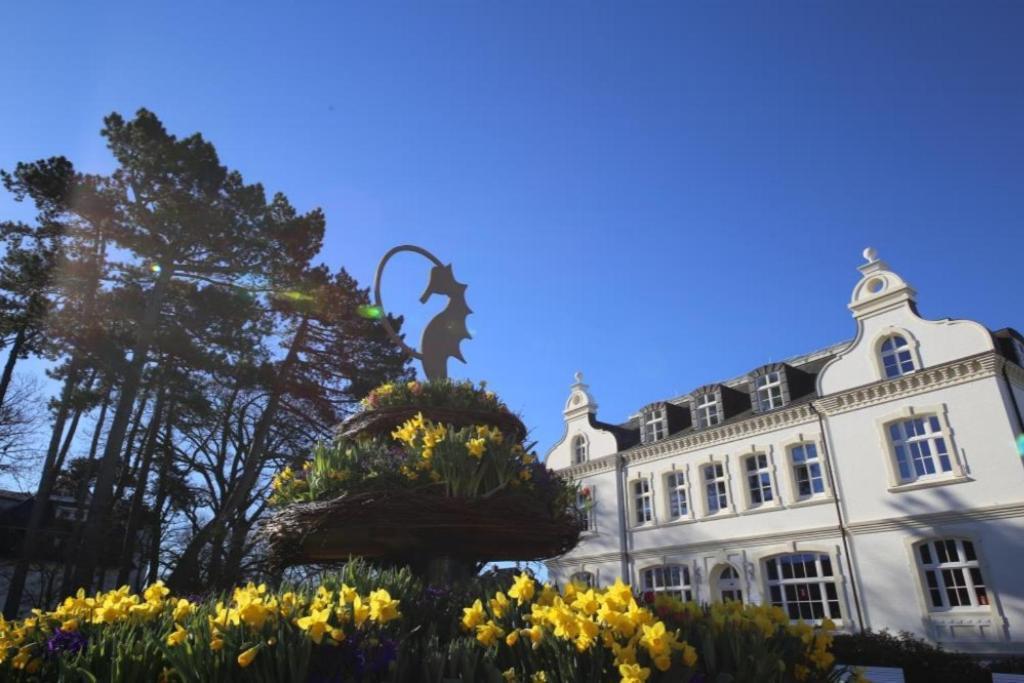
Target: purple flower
{"x": 65, "y": 642}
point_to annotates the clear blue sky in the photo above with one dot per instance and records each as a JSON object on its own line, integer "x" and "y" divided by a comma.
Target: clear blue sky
{"x": 660, "y": 195}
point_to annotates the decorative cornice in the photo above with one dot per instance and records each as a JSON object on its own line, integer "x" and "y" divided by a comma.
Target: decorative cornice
{"x": 957, "y": 372}
{"x": 1004, "y": 511}
{"x": 605, "y": 463}
{"x": 964, "y": 370}
{"x": 759, "y": 424}
{"x": 576, "y": 560}
{"x": 789, "y": 536}
{"x": 920, "y": 521}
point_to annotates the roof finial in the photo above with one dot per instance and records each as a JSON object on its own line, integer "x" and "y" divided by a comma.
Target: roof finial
{"x": 870, "y": 254}
{"x": 579, "y": 377}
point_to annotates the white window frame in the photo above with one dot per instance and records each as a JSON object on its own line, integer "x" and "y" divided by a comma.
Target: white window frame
{"x": 655, "y": 424}
{"x": 962, "y": 579}
{"x": 662, "y": 579}
{"x": 901, "y": 354}
{"x": 764, "y": 385}
{"x": 641, "y": 493}
{"x": 941, "y": 412}
{"x": 588, "y": 505}
{"x": 708, "y": 406}
{"x": 807, "y": 464}
{"x": 821, "y": 562}
{"x": 676, "y": 491}
{"x": 765, "y": 480}
{"x": 721, "y": 483}
{"x": 580, "y": 449}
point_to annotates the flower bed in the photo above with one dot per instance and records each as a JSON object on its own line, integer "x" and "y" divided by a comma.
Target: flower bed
{"x": 371, "y": 625}
{"x": 446, "y": 476}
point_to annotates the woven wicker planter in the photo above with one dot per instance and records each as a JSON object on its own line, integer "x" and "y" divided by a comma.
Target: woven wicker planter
{"x": 383, "y": 421}
{"x": 406, "y": 526}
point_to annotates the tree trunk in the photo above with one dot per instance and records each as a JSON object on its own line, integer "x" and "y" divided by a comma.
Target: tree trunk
{"x": 232, "y": 571}
{"x": 129, "y": 442}
{"x": 68, "y": 438}
{"x": 183, "y": 578}
{"x": 132, "y": 524}
{"x": 161, "y": 498}
{"x": 82, "y": 492}
{"x": 12, "y": 358}
{"x": 41, "y": 502}
{"x": 92, "y": 537}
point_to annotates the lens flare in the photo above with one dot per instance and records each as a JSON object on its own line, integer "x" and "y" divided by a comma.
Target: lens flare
{"x": 155, "y": 267}
{"x": 295, "y": 295}
{"x": 370, "y": 312}
{"x": 1020, "y": 445}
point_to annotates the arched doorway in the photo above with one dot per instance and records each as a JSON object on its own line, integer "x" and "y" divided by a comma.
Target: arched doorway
{"x": 728, "y": 585}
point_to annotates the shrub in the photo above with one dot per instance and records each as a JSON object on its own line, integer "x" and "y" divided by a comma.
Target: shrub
{"x": 921, "y": 662}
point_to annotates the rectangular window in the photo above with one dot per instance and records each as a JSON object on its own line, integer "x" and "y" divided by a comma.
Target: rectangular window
{"x": 920, "y": 448}
{"x": 759, "y": 479}
{"x": 807, "y": 470}
{"x": 769, "y": 391}
{"x": 642, "y": 501}
{"x": 585, "y": 504}
{"x": 675, "y": 484}
{"x": 707, "y": 410}
{"x": 952, "y": 574}
{"x": 802, "y": 584}
{"x": 654, "y": 425}
{"x": 673, "y": 580}
{"x": 715, "y": 488}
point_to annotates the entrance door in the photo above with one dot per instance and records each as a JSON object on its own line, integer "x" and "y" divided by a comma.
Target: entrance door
{"x": 729, "y": 585}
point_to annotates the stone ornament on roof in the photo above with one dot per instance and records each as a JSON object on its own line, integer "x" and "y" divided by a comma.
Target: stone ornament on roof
{"x": 580, "y": 400}
{"x": 879, "y": 288}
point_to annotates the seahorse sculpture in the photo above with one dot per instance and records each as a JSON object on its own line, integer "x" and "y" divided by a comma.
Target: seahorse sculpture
{"x": 442, "y": 335}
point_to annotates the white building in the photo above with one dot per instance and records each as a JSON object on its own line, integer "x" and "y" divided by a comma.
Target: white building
{"x": 877, "y": 482}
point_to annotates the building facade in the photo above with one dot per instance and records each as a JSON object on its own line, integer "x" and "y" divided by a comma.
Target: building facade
{"x": 878, "y": 482}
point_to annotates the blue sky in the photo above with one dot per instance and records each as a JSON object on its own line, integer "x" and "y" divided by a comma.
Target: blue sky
{"x": 658, "y": 194}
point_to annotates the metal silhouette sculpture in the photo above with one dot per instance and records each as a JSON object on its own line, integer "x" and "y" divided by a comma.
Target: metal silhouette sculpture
{"x": 442, "y": 335}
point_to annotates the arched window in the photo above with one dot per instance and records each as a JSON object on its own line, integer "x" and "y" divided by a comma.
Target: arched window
{"x": 673, "y": 580}
{"x": 803, "y": 585}
{"x": 952, "y": 574}
{"x": 896, "y": 358}
{"x": 583, "y": 579}
{"x": 579, "y": 449}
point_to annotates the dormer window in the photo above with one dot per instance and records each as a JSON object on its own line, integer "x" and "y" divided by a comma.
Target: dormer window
{"x": 707, "y": 410}
{"x": 579, "y": 449}
{"x": 896, "y": 358}
{"x": 769, "y": 391}
{"x": 654, "y": 425}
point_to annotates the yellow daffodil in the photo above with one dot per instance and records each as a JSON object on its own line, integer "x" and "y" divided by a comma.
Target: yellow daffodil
{"x": 488, "y": 633}
{"x": 382, "y": 607}
{"x": 245, "y": 658}
{"x": 523, "y": 588}
{"x": 476, "y": 447}
{"x": 315, "y": 624}
{"x": 633, "y": 673}
{"x": 177, "y": 637}
{"x": 473, "y": 616}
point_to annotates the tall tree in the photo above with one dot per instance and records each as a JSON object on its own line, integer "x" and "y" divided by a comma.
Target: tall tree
{"x": 334, "y": 357}
{"x": 183, "y": 215}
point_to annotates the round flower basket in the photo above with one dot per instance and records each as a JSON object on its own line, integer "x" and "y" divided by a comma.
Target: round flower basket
{"x": 402, "y": 526}
{"x": 382, "y": 421}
